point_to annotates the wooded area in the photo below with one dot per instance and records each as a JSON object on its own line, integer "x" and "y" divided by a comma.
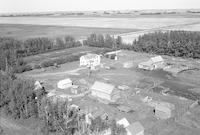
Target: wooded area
{"x": 173, "y": 43}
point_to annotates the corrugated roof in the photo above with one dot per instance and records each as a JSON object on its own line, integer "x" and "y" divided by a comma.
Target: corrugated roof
{"x": 135, "y": 128}
{"x": 103, "y": 87}
{"x": 157, "y": 59}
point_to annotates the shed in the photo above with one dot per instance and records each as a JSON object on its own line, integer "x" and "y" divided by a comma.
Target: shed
{"x": 157, "y": 59}
{"x": 64, "y": 84}
{"x": 124, "y": 122}
{"x": 162, "y": 111}
{"x": 102, "y": 90}
{"x": 135, "y": 129}
{"x": 38, "y": 85}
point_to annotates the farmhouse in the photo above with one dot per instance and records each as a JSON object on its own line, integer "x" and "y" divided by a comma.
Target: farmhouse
{"x": 90, "y": 60}
{"x": 152, "y": 64}
{"x": 135, "y": 129}
{"x": 162, "y": 111}
{"x": 102, "y": 90}
{"x": 64, "y": 84}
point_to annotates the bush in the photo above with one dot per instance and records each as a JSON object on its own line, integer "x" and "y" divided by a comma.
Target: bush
{"x": 22, "y": 69}
{"x": 37, "y": 66}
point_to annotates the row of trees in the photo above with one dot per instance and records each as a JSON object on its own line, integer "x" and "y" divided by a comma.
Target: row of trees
{"x": 12, "y": 51}
{"x": 106, "y": 41}
{"x": 173, "y": 43}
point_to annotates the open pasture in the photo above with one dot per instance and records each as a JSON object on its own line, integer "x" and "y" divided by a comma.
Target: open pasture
{"x": 24, "y": 31}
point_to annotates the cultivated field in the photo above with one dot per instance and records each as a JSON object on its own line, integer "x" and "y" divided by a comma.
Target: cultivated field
{"x": 80, "y": 27}
{"x": 24, "y": 31}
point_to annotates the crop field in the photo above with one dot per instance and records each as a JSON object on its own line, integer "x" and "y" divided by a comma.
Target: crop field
{"x": 135, "y": 79}
{"x": 80, "y": 27}
{"x": 100, "y": 22}
{"x": 24, "y": 31}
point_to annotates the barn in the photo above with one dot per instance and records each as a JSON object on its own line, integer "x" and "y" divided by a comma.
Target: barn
{"x": 90, "y": 60}
{"x": 152, "y": 64}
{"x": 102, "y": 90}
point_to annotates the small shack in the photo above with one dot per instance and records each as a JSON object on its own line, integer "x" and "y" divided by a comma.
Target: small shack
{"x": 102, "y": 90}
{"x": 64, "y": 84}
{"x": 124, "y": 122}
{"x": 152, "y": 64}
{"x": 38, "y": 85}
{"x": 162, "y": 111}
{"x": 135, "y": 129}
{"x": 90, "y": 59}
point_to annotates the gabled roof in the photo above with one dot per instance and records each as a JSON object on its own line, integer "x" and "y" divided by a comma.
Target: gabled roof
{"x": 135, "y": 128}
{"x": 124, "y": 122}
{"x": 103, "y": 87}
{"x": 157, "y": 59}
{"x": 89, "y": 56}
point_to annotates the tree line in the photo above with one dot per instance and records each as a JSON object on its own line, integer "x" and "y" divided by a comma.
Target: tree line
{"x": 173, "y": 43}
{"x": 12, "y": 50}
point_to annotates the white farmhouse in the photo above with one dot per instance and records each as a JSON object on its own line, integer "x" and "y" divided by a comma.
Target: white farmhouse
{"x": 152, "y": 64}
{"x": 90, "y": 60}
{"x": 102, "y": 90}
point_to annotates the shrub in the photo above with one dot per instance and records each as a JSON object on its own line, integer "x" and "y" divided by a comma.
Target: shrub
{"x": 22, "y": 69}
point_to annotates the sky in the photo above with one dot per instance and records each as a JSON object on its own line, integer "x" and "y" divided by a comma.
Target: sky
{"x": 10, "y": 6}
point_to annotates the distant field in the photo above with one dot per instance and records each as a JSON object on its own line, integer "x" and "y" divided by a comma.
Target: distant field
{"x": 23, "y": 31}
{"x": 80, "y": 27}
{"x": 100, "y": 22}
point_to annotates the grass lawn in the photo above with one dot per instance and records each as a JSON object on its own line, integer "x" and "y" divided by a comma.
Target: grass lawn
{"x": 24, "y": 31}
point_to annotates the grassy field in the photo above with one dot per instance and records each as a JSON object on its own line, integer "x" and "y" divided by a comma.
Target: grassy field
{"x": 24, "y": 31}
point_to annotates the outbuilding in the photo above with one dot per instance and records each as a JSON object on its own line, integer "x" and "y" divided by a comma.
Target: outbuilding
{"x": 135, "y": 129}
{"x": 152, "y": 64}
{"x": 102, "y": 90}
{"x": 64, "y": 84}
